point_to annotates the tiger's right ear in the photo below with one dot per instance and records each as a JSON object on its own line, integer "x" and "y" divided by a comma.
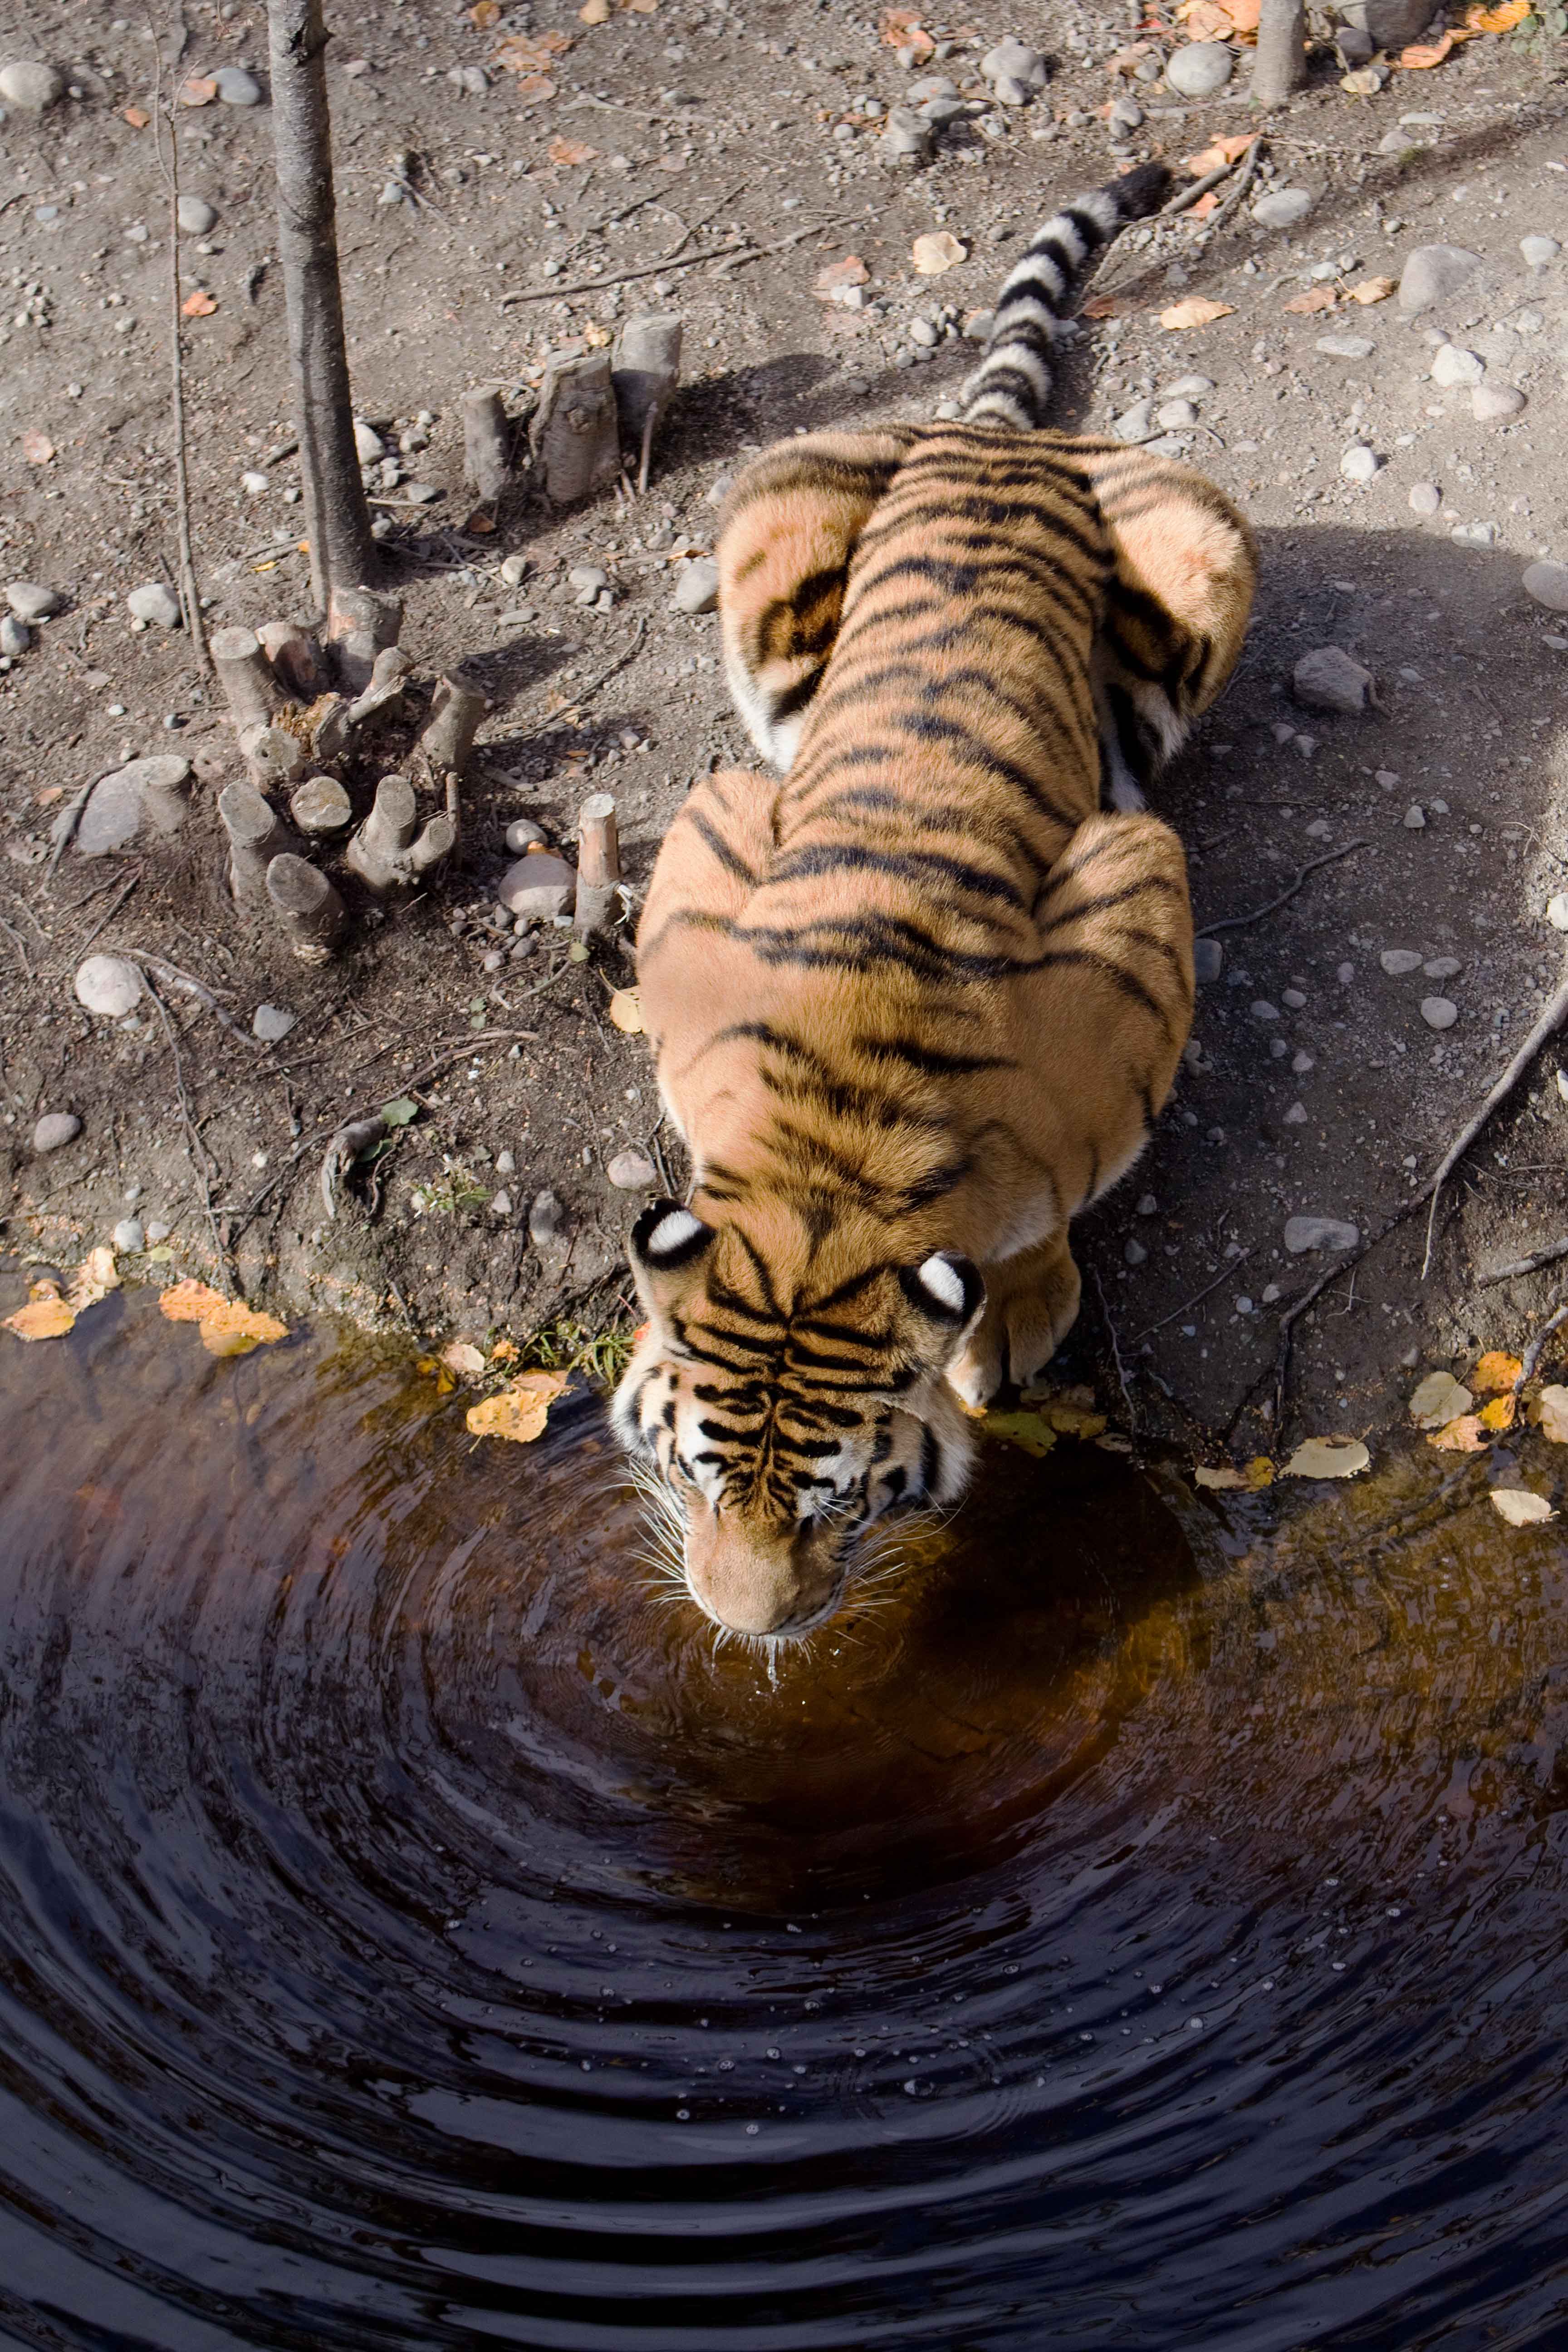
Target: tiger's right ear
{"x": 666, "y": 1242}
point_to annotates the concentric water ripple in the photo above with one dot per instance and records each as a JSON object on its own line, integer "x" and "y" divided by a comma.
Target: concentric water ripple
{"x": 1119, "y": 1933}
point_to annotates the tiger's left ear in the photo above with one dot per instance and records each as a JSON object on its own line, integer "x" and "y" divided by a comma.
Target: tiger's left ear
{"x": 667, "y": 1242}
{"x": 947, "y": 1293}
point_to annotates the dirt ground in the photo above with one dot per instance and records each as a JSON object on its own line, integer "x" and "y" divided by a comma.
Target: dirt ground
{"x": 703, "y": 127}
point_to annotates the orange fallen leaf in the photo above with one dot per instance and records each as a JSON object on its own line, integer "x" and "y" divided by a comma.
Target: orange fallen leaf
{"x": 1372, "y": 290}
{"x": 1425, "y": 54}
{"x": 96, "y": 1276}
{"x": 535, "y": 86}
{"x": 199, "y": 304}
{"x": 38, "y": 448}
{"x": 505, "y": 1352}
{"x": 1498, "y": 20}
{"x": 536, "y": 54}
{"x": 1205, "y": 20}
{"x": 595, "y": 12}
{"x": 520, "y": 1410}
{"x": 484, "y": 14}
{"x": 1218, "y": 151}
{"x": 137, "y": 117}
{"x": 625, "y": 1012}
{"x": 45, "y": 1316}
{"x": 431, "y": 1370}
{"x": 1103, "y": 306}
{"x": 1496, "y": 1370}
{"x": 1205, "y": 205}
{"x": 197, "y": 91}
{"x": 233, "y": 1330}
{"x": 478, "y": 525}
{"x": 850, "y": 271}
{"x": 1500, "y": 1413}
{"x": 570, "y": 152}
{"x": 1462, "y": 1435}
{"x": 1197, "y": 310}
{"x": 900, "y": 28}
{"x": 1315, "y": 297}
{"x": 1127, "y": 60}
{"x": 189, "y": 1301}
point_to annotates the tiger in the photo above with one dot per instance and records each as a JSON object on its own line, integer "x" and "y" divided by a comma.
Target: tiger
{"x": 918, "y": 998}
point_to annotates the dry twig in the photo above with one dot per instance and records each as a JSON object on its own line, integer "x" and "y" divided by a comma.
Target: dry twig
{"x": 1240, "y": 922}
{"x": 1523, "y": 1266}
{"x": 1550, "y": 1021}
{"x": 190, "y": 599}
{"x": 1229, "y": 1267}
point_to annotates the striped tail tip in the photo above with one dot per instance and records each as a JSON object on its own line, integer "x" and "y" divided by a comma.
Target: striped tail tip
{"x": 1014, "y": 381}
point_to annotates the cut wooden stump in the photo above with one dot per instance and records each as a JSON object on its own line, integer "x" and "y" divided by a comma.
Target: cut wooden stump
{"x": 599, "y": 866}
{"x": 390, "y": 851}
{"x": 361, "y": 621}
{"x": 576, "y": 435}
{"x": 244, "y": 674}
{"x": 487, "y": 444}
{"x": 388, "y": 675}
{"x": 256, "y": 834}
{"x": 308, "y": 910}
{"x": 296, "y": 658}
{"x": 645, "y": 376}
{"x": 447, "y": 739}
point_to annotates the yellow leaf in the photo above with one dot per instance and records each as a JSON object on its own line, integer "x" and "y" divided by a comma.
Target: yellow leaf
{"x": 1260, "y": 1473}
{"x": 1328, "y": 1457}
{"x": 1196, "y": 310}
{"x": 1498, "y": 20}
{"x": 1438, "y": 1398}
{"x": 233, "y": 1329}
{"x": 1496, "y": 1370}
{"x": 1552, "y": 1406}
{"x": 95, "y": 1278}
{"x": 45, "y": 1316}
{"x": 484, "y": 14}
{"x": 1315, "y": 297}
{"x": 1519, "y": 1506}
{"x": 1028, "y": 1430}
{"x": 1462, "y": 1435}
{"x": 520, "y": 1410}
{"x": 432, "y": 1370}
{"x": 462, "y": 1355}
{"x": 189, "y": 1301}
{"x": 1073, "y": 1420}
{"x": 1499, "y": 1414}
{"x": 625, "y": 1012}
{"x": 1372, "y": 290}
{"x": 938, "y": 250}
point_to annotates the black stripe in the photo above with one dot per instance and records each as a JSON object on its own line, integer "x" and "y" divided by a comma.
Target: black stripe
{"x": 910, "y": 865}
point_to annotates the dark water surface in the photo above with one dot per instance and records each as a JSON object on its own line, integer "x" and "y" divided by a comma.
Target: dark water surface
{"x": 1137, "y": 1928}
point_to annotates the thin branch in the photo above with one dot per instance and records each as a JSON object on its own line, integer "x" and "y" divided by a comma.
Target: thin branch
{"x": 1240, "y": 922}
{"x": 1523, "y": 1266}
{"x": 1228, "y": 1268}
{"x": 1232, "y": 202}
{"x": 711, "y": 215}
{"x": 196, "y": 1148}
{"x": 190, "y": 599}
{"x": 583, "y": 693}
{"x": 1550, "y": 1021}
{"x": 1190, "y": 196}
{"x": 114, "y": 907}
{"x": 1105, "y": 1317}
{"x": 1533, "y": 1353}
{"x": 20, "y": 945}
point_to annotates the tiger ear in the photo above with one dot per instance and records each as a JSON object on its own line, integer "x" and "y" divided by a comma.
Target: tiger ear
{"x": 947, "y": 1293}
{"x": 666, "y": 1242}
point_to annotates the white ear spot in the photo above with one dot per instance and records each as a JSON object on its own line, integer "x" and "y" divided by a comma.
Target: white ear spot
{"x": 942, "y": 1278}
{"x": 672, "y": 1233}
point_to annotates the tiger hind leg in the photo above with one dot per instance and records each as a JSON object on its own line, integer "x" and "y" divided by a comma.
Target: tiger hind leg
{"x": 790, "y": 529}
{"x": 1031, "y": 1305}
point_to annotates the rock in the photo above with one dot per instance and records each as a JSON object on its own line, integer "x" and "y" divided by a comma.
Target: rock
{"x": 1136, "y": 423}
{"x": 1283, "y": 207}
{"x": 1347, "y": 347}
{"x": 1320, "y": 1234}
{"x": 1133, "y": 1252}
{"x": 422, "y": 494}
{"x": 270, "y": 1022}
{"x": 55, "y": 1129}
{"x": 1414, "y": 818}
{"x": 1297, "y": 1115}
{"x": 1328, "y": 678}
{"x": 236, "y": 88}
{"x": 1292, "y": 997}
{"x": 589, "y": 576}
{"x": 128, "y": 1238}
{"x": 196, "y": 215}
{"x": 1014, "y": 61}
{"x": 30, "y": 85}
{"x": 1125, "y": 115}
{"x": 1548, "y": 584}
{"x": 1301, "y": 1062}
{"x": 1453, "y": 365}
{"x": 143, "y": 793}
{"x": 15, "y": 635}
{"x": 1426, "y": 498}
{"x": 632, "y": 1172}
{"x": 546, "y": 1219}
{"x": 514, "y": 568}
{"x": 1494, "y": 404}
{"x": 1263, "y": 1011}
{"x": 1208, "y": 961}
{"x": 1359, "y": 463}
{"x": 500, "y": 1204}
{"x": 154, "y": 602}
{"x": 539, "y": 888}
{"x": 1199, "y": 70}
{"x": 1397, "y": 961}
{"x": 931, "y": 86}
{"x": 506, "y": 1164}
{"x": 1188, "y": 387}
{"x": 253, "y": 483}
{"x": 905, "y": 139}
{"x": 320, "y": 805}
{"x": 1539, "y": 251}
{"x": 1175, "y": 415}
{"x": 1474, "y": 534}
{"x": 31, "y": 602}
{"x": 369, "y": 447}
{"x": 1431, "y": 274}
{"x": 921, "y": 332}
{"x": 1557, "y": 911}
{"x": 1438, "y": 1012}
{"x": 697, "y": 586}
{"x": 1442, "y": 968}
{"x": 108, "y": 984}
{"x": 521, "y": 834}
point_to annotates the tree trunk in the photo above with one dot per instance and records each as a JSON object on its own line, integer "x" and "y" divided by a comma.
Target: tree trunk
{"x": 1281, "y": 65}
{"x": 342, "y": 552}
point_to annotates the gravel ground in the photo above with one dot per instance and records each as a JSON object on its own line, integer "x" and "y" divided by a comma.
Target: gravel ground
{"x": 1399, "y": 494}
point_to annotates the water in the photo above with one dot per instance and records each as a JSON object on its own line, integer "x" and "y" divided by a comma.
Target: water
{"x": 1138, "y": 1928}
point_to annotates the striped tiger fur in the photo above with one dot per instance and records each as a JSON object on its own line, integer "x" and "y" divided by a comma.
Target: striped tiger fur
{"x": 917, "y": 1001}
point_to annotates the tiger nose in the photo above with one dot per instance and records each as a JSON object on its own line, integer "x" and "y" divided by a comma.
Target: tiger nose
{"x": 753, "y": 1580}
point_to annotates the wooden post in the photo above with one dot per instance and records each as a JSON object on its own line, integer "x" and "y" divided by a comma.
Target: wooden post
{"x": 308, "y": 910}
{"x": 361, "y": 624}
{"x": 390, "y": 852}
{"x": 246, "y": 676}
{"x": 337, "y": 520}
{"x": 449, "y": 736}
{"x": 296, "y": 658}
{"x": 646, "y": 376}
{"x": 598, "y": 865}
{"x": 487, "y": 444}
{"x": 256, "y": 834}
{"x": 389, "y": 672}
{"x": 1281, "y": 64}
{"x": 575, "y": 437}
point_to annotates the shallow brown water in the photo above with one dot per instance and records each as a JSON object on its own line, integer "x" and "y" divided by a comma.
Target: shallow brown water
{"x": 1138, "y": 1929}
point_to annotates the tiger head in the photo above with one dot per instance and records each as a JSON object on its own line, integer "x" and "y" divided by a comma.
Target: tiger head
{"x": 781, "y": 1417}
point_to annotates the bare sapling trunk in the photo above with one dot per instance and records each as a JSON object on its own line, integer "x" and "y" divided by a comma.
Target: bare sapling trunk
{"x": 296, "y": 658}
{"x": 598, "y": 865}
{"x": 646, "y": 376}
{"x": 574, "y": 434}
{"x": 390, "y": 852}
{"x": 337, "y": 520}
{"x": 361, "y": 624}
{"x": 487, "y": 444}
{"x": 448, "y": 737}
{"x": 1281, "y": 64}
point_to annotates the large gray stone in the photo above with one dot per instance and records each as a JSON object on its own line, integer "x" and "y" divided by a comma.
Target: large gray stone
{"x": 31, "y": 603}
{"x": 538, "y": 888}
{"x": 108, "y": 985}
{"x": 1432, "y": 273}
{"x": 31, "y": 85}
{"x": 236, "y": 88}
{"x": 1548, "y": 584}
{"x": 196, "y": 216}
{"x": 155, "y": 601}
{"x": 1200, "y": 68}
{"x": 144, "y": 795}
{"x": 697, "y": 586}
{"x": 1320, "y": 1234}
{"x": 55, "y": 1129}
{"x": 1283, "y": 207}
{"x": 1328, "y": 678}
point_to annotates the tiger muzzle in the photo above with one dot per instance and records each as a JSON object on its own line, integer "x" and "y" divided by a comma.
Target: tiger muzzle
{"x": 755, "y": 1577}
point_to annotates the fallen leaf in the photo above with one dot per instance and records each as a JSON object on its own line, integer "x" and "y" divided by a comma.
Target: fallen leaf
{"x": 1218, "y": 151}
{"x": 137, "y": 117}
{"x": 1205, "y": 205}
{"x": 1315, "y": 297}
{"x": 1495, "y": 1371}
{"x": 1225, "y": 1478}
{"x": 535, "y": 87}
{"x": 597, "y": 11}
{"x": 1114, "y": 1443}
{"x": 1127, "y": 60}
{"x": 1027, "y": 1430}
{"x": 431, "y": 1369}
{"x": 1245, "y": 15}
{"x": 1328, "y": 1457}
{"x": 642, "y": 7}
{"x": 45, "y": 1316}
{"x": 1498, "y": 20}
{"x": 505, "y": 1352}
{"x": 1260, "y": 1473}
{"x": 1364, "y": 82}
{"x": 484, "y": 14}
{"x": 519, "y": 1411}
{"x": 199, "y": 304}
{"x": 1074, "y": 1420}
{"x": 478, "y": 525}
{"x": 594, "y": 337}
{"x": 399, "y": 1112}
{"x": 534, "y": 54}
{"x": 1423, "y": 56}
{"x": 902, "y": 29}
{"x": 1439, "y": 1398}
{"x": 1103, "y": 306}
{"x": 197, "y": 91}
{"x": 1372, "y": 290}
{"x": 1519, "y": 1506}
{"x": 1205, "y": 20}
{"x": 38, "y": 448}
{"x": 1197, "y": 310}
{"x": 938, "y": 250}
{"x": 189, "y": 1301}
{"x": 233, "y": 1329}
{"x": 463, "y": 1357}
{"x": 1462, "y": 1435}
{"x": 1500, "y": 1413}
{"x": 850, "y": 271}
{"x": 96, "y": 1276}
{"x": 625, "y": 1012}
{"x": 568, "y": 153}
{"x": 1552, "y": 1407}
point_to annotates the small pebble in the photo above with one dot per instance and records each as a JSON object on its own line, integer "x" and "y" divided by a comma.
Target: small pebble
{"x": 1172, "y": 416}
{"x": 1539, "y": 251}
{"x": 154, "y": 602}
{"x": 1547, "y": 583}
{"x": 632, "y": 1172}
{"x": 1328, "y": 678}
{"x": 1301, "y": 1063}
{"x": 236, "y": 88}
{"x": 588, "y": 576}
{"x": 514, "y": 570}
{"x": 1294, "y": 999}
{"x": 31, "y": 602}
{"x": 1133, "y": 1252}
{"x": 1320, "y": 1234}
{"x": 128, "y": 1238}
{"x": 1397, "y": 961}
{"x": 31, "y": 85}
{"x": 157, "y": 1231}
{"x": 1208, "y": 961}
{"x": 539, "y": 888}
{"x": 15, "y": 635}
{"x": 1438, "y": 1012}
{"x": 500, "y": 1204}
{"x": 1452, "y": 365}
{"x": 1442, "y": 968}
{"x": 1557, "y": 911}
{"x": 1414, "y": 818}
{"x": 1282, "y": 208}
{"x": 1297, "y": 1115}
{"x": 521, "y": 834}
{"x": 253, "y": 484}
{"x": 195, "y": 216}
{"x": 697, "y": 586}
{"x": 56, "y": 1129}
{"x": 369, "y": 447}
{"x": 1136, "y": 423}
{"x": 110, "y": 985}
{"x": 1198, "y": 69}
{"x": 1263, "y": 1011}
{"x": 506, "y": 1164}
{"x": 546, "y": 1218}
{"x": 1148, "y": 1206}
{"x": 270, "y": 1022}
{"x": 1426, "y": 498}
{"x": 1494, "y": 404}
{"x": 1359, "y": 463}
